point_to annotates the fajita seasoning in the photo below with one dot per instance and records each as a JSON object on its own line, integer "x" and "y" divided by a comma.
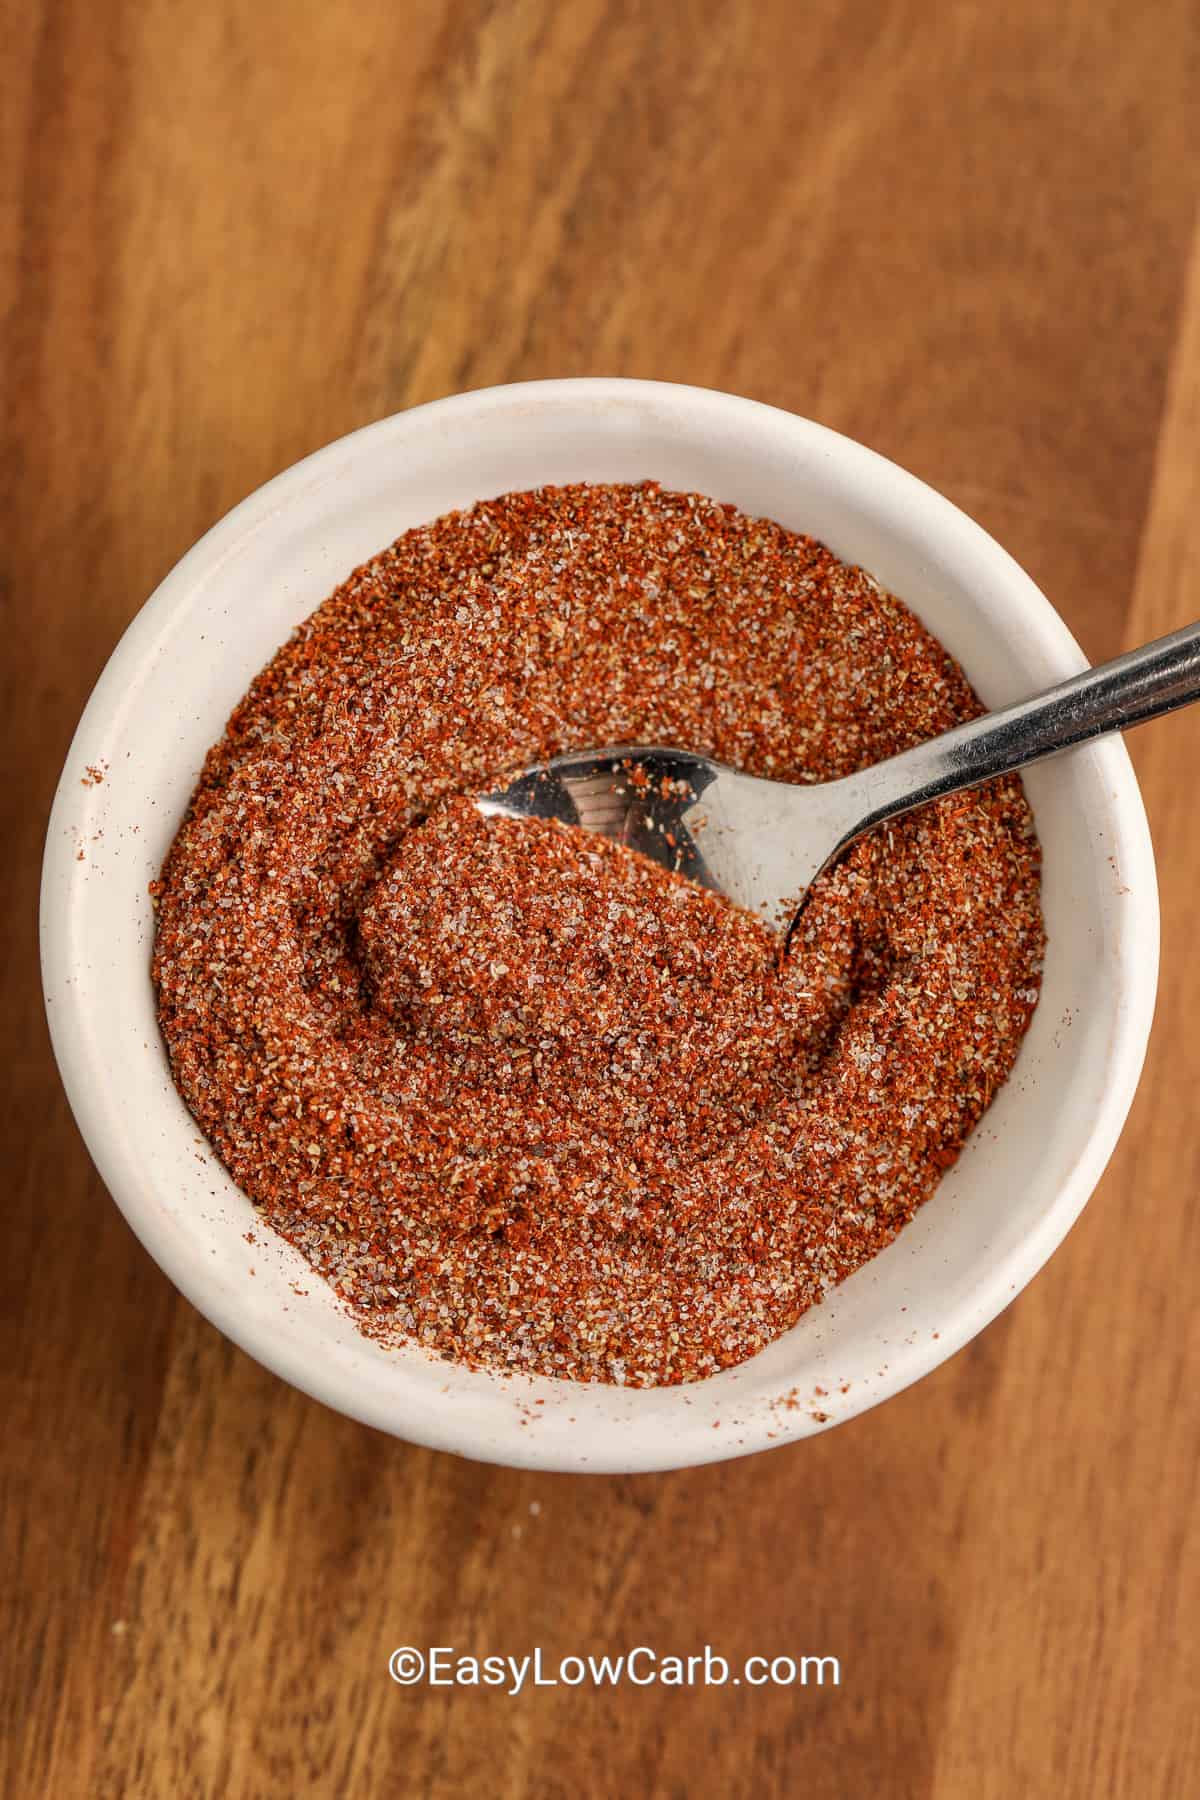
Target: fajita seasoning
{"x": 516, "y": 1092}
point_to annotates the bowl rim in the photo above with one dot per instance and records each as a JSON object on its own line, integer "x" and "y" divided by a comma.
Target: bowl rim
{"x": 82, "y": 1072}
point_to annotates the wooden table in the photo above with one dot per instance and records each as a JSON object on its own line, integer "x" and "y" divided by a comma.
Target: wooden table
{"x": 965, "y": 234}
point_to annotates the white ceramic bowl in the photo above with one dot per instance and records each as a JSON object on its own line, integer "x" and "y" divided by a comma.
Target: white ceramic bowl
{"x": 189, "y": 656}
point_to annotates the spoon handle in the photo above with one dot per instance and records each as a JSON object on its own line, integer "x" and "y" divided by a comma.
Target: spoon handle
{"x": 1154, "y": 679}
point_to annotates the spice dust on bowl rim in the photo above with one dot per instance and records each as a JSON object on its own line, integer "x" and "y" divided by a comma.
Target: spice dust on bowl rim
{"x": 188, "y": 659}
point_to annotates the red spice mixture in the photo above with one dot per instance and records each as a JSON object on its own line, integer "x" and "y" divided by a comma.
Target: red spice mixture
{"x": 516, "y": 1092}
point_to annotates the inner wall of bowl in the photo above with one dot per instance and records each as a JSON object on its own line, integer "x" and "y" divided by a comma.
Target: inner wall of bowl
{"x": 163, "y": 701}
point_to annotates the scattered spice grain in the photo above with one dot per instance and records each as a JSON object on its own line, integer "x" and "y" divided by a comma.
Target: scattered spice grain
{"x": 516, "y": 1092}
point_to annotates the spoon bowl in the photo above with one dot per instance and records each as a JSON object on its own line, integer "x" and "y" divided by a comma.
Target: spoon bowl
{"x": 760, "y": 843}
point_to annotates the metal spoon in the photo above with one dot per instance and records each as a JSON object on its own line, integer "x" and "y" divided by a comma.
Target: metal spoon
{"x": 763, "y": 843}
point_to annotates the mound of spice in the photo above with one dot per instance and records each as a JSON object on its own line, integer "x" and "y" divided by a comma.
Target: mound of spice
{"x": 515, "y": 1091}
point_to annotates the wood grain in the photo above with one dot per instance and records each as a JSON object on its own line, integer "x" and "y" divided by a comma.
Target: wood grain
{"x": 965, "y": 234}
